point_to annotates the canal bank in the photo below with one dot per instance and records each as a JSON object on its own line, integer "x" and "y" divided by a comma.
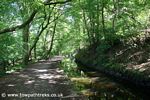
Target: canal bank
{"x": 126, "y": 65}
{"x": 122, "y": 76}
{"x": 97, "y": 85}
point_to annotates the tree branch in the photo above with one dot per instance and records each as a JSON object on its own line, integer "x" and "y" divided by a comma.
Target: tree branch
{"x": 11, "y": 29}
{"x": 41, "y": 31}
{"x": 58, "y": 2}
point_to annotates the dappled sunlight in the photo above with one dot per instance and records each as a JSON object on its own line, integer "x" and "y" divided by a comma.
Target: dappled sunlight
{"x": 29, "y": 82}
{"x": 39, "y": 70}
{"x": 82, "y": 80}
{"x": 45, "y": 63}
{"x": 52, "y": 81}
{"x": 56, "y": 58}
{"x": 136, "y": 54}
{"x": 41, "y": 61}
{"x": 39, "y": 38}
{"x": 119, "y": 53}
{"x": 11, "y": 71}
{"x": 45, "y": 76}
{"x": 59, "y": 76}
{"x": 58, "y": 82}
{"x": 10, "y": 85}
{"x": 59, "y": 71}
{"x": 89, "y": 92}
{"x": 50, "y": 76}
{"x": 16, "y": 72}
{"x": 140, "y": 67}
{"x": 37, "y": 78}
{"x": 24, "y": 76}
{"x": 65, "y": 83}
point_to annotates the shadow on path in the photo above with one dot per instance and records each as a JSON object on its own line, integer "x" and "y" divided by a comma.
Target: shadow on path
{"x": 40, "y": 81}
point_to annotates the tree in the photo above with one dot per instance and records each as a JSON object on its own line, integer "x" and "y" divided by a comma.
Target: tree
{"x": 61, "y": 26}
{"x": 30, "y": 14}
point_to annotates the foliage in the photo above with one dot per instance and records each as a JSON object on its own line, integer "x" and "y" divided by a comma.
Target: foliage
{"x": 20, "y": 46}
{"x": 70, "y": 68}
{"x": 65, "y": 28}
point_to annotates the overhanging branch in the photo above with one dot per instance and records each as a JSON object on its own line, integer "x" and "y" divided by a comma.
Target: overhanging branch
{"x": 58, "y": 2}
{"x": 11, "y": 29}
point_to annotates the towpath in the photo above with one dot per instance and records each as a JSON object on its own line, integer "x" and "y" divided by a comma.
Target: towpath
{"x": 40, "y": 81}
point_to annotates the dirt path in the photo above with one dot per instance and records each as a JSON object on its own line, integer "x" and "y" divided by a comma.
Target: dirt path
{"x": 39, "y": 81}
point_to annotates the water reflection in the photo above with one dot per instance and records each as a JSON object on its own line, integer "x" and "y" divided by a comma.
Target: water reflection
{"x": 99, "y": 87}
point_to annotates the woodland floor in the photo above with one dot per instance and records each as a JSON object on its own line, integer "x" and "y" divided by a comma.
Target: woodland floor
{"x": 41, "y": 81}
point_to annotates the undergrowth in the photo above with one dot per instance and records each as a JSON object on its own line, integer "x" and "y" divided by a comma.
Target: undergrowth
{"x": 70, "y": 68}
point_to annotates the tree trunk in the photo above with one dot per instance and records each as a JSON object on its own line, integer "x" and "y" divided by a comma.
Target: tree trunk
{"x": 51, "y": 44}
{"x": 86, "y": 27}
{"x": 103, "y": 18}
{"x": 25, "y": 44}
{"x": 35, "y": 53}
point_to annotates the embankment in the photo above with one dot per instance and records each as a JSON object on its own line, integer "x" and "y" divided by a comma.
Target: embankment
{"x": 129, "y": 65}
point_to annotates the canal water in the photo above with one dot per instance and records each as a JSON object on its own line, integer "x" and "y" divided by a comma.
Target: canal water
{"x": 97, "y": 86}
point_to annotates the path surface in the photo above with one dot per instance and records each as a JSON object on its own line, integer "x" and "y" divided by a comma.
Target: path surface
{"x": 39, "y": 81}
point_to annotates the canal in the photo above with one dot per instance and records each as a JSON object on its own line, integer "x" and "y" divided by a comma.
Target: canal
{"x": 98, "y": 86}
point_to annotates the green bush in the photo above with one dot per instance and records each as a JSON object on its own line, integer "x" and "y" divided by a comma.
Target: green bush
{"x": 70, "y": 68}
